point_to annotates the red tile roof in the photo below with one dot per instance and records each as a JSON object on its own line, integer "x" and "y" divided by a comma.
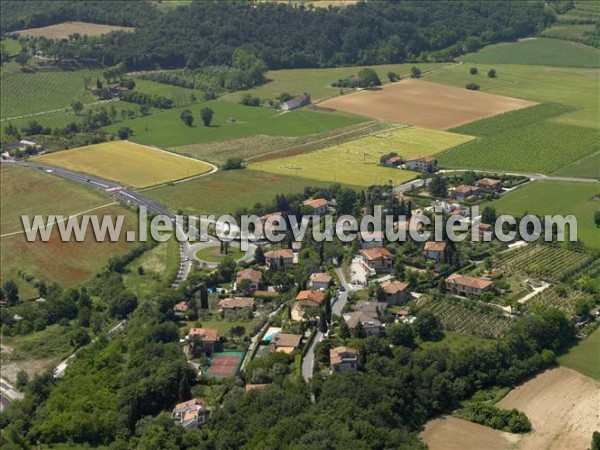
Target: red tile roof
{"x": 464, "y": 280}
{"x": 315, "y": 203}
{"x": 432, "y": 246}
{"x": 315, "y": 296}
{"x": 255, "y": 276}
{"x": 236, "y": 302}
{"x": 372, "y": 254}
{"x": 393, "y": 287}
{"x": 285, "y": 253}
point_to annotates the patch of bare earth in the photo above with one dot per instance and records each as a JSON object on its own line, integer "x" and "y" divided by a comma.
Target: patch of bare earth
{"x": 64, "y": 30}
{"x": 563, "y": 407}
{"x": 452, "y": 433}
{"x": 430, "y": 105}
{"x": 33, "y": 367}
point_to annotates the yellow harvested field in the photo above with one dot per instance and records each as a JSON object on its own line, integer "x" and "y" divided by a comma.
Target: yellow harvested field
{"x": 430, "y": 105}
{"x": 128, "y": 163}
{"x": 452, "y": 433}
{"x": 357, "y": 162}
{"x": 562, "y": 406}
{"x": 65, "y": 29}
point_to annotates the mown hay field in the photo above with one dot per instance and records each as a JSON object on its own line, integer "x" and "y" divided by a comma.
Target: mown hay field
{"x": 63, "y": 30}
{"x": 357, "y": 162}
{"x": 126, "y": 162}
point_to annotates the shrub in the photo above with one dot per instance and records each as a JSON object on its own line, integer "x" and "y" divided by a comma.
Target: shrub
{"x": 472, "y": 86}
{"x": 473, "y": 71}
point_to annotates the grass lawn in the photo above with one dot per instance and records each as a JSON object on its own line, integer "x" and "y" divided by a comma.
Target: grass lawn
{"x": 230, "y": 120}
{"x": 317, "y": 82}
{"x": 357, "y": 162}
{"x": 574, "y": 87}
{"x": 539, "y": 51}
{"x": 43, "y": 90}
{"x": 584, "y": 357}
{"x": 160, "y": 264}
{"x": 552, "y": 197}
{"x": 458, "y": 341}
{"x": 51, "y": 342}
{"x": 12, "y": 46}
{"x": 29, "y": 192}
{"x": 227, "y": 191}
{"x": 66, "y": 263}
{"x": 126, "y": 162}
{"x": 212, "y": 254}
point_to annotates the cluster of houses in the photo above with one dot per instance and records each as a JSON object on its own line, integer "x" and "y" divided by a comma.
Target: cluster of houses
{"x": 470, "y": 193}
{"x": 24, "y": 146}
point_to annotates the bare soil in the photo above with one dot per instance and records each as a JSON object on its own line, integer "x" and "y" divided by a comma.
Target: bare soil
{"x": 452, "y": 433}
{"x": 563, "y": 407}
{"x": 430, "y": 105}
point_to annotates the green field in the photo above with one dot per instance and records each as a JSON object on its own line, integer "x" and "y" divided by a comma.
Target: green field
{"x": 122, "y": 161}
{"x": 523, "y": 141}
{"x": 585, "y": 357}
{"x": 458, "y": 341}
{"x": 159, "y": 265}
{"x": 538, "y": 51}
{"x": 568, "y": 86}
{"x": 553, "y": 197}
{"x": 231, "y": 120}
{"x": 543, "y": 138}
{"x": 44, "y": 90}
{"x": 30, "y": 192}
{"x": 357, "y": 162}
{"x": 227, "y": 191}
{"x": 317, "y": 82}
{"x": 212, "y": 254}
{"x": 588, "y": 167}
{"x": 12, "y": 46}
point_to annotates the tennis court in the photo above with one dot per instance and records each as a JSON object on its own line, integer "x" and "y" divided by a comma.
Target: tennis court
{"x": 225, "y": 364}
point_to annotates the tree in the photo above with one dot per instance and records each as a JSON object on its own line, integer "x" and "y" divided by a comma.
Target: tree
{"x": 472, "y": 86}
{"x": 144, "y": 110}
{"x": 596, "y": 440}
{"x": 259, "y": 256}
{"x": 359, "y": 331}
{"x": 77, "y": 107}
{"x": 427, "y": 326}
{"x": 11, "y": 292}
{"x": 322, "y": 323}
{"x": 22, "y": 379}
{"x": 203, "y": 297}
{"x": 401, "y": 334}
{"x": 473, "y": 70}
{"x": 438, "y": 186}
{"x": 368, "y": 77}
{"x": 488, "y": 215}
{"x": 79, "y": 338}
{"x": 415, "y": 72}
{"x": 392, "y": 76}
{"x": 344, "y": 332}
{"x": 492, "y": 73}
{"x": 207, "y": 116}
{"x": 186, "y": 117}
{"x": 22, "y": 59}
{"x": 327, "y": 308}
{"x": 125, "y": 132}
{"x": 597, "y": 218}
{"x": 234, "y": 164}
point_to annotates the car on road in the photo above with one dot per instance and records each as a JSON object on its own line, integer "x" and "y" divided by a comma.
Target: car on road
{"x": 342, "y": 288}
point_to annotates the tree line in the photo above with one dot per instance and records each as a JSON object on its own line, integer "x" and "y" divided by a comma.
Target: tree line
{"x": 286, "y": 36}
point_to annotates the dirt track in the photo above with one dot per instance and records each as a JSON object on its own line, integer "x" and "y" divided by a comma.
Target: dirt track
{"x": 430, "y": 105}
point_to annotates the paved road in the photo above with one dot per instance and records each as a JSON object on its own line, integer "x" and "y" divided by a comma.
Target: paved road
{"x": 8, "y": 393}
{"x": 308, "y": 362}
